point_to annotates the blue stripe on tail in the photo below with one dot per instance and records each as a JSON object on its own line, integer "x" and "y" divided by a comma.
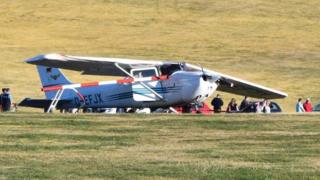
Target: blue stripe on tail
{"x": 51, "y": 77}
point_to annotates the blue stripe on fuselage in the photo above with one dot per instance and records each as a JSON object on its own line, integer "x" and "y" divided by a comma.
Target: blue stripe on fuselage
{"x": 143, "y": 91}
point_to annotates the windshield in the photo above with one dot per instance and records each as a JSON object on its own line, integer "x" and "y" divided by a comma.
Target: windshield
{"x": 168, "y": 69}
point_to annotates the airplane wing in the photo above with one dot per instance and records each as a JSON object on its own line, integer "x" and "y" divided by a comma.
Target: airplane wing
{"x": 91, "y": 65}
{"x": 107, "y": 66}
{"x": 238, "y": 86}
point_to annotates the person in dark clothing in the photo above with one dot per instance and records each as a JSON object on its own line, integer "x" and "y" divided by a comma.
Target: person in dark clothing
{"x": 244, "y": 103}
{"x": 6, "y": 100}
{"x": 217, "y": 103}
{"x": 186, "y": 108}
{"x": 3, "y": 90}
{"x": 232, "y": 106}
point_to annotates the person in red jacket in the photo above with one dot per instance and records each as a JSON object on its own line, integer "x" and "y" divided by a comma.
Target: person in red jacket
{"x": 307, "y": 106}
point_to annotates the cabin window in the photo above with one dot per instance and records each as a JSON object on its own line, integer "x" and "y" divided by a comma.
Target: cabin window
{"x": 168, "y": 69}
{"x": 142, "y": 73}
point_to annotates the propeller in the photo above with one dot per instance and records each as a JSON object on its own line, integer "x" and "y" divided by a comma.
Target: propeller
{"x": 204, "y": 75}
{"x": 207, "y": 77}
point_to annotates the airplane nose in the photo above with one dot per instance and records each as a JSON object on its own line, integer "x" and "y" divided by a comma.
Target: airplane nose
{"x": 210, "y": 78}
{"x": 199, "y": 88}
{"x": 206, "y": 89}
{"x": 204, "y": 77}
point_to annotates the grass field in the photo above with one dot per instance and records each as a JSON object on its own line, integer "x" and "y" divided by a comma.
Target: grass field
{"x": 42, "y": 146}
{"x": 274, "y": 43}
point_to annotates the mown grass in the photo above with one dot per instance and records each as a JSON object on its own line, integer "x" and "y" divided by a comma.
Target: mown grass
{"x": 274, "y": 43}
{"x": 43, "y": 146}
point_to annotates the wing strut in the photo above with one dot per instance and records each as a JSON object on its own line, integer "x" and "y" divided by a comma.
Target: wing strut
{"x": 55, "y": 100}
{"x": 140, "y": 82}
{"x": 58, "y": 96}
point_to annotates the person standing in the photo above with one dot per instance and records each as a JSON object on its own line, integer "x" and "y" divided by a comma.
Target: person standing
{"x": 6, "y": 100}
{"x": 3, "y": 90}
{"x": 267, "y": 108}
{"x": 10, "y": 100}
{"x": 307, "y": 105}
{"x": 244, "y": 104}
{"x": 232, "y": 106}
{"x": 259, "y": 107}
{"x": 299, "y": 106}
{"x": 217, "y": 104}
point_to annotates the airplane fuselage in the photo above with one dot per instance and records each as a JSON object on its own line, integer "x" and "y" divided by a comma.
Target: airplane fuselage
{"x": 180, "y": 88}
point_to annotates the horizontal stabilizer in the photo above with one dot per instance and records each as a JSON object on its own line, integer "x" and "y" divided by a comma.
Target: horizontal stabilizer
{"x": 43, "y": 103}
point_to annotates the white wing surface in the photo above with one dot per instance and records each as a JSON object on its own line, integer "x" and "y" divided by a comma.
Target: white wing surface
{"x": 240, "y": 87}
{"x": 90, "y": 65}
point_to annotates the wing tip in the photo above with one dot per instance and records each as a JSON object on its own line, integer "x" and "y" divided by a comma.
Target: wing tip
{"x": 283, "y": 95}
{"x": 279, "y": 94}
{"x": 35, "y": 59}
{"x": 40, "y": 57}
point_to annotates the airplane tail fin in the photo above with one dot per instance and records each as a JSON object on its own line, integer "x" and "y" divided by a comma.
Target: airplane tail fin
{"x": 51, "y": 77}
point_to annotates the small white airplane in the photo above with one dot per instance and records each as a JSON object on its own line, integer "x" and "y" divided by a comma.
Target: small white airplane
{"x": 150, "y": 84}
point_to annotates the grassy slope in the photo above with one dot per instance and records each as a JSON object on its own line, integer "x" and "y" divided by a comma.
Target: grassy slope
{"x": 274, "y": 43}
{"x": 186, "y": 147}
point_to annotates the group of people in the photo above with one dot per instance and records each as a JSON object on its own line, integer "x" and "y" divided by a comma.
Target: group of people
{"x": 304, "y": 107}
{"x": 259, "y": 107}
{"x": 5, "y": 100}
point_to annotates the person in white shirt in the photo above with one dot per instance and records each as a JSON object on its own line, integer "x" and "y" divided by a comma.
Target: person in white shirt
{"x": 299, "y": 106}
{"x": 259, "y": 107}
{"x": 267, "y": 108}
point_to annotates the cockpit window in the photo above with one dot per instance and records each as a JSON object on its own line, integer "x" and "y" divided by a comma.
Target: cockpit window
{"x": 144, "y": 73}
{"x": 168, "y": 69}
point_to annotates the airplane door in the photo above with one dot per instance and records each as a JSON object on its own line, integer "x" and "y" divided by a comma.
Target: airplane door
{"x": 140, "y": 93}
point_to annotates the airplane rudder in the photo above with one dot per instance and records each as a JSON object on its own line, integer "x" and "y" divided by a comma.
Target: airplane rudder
{"x": 51, "y": 76}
